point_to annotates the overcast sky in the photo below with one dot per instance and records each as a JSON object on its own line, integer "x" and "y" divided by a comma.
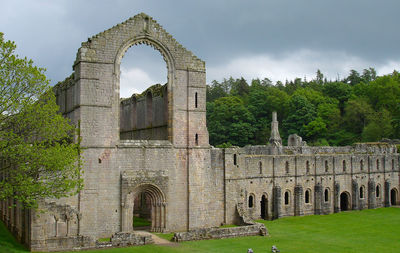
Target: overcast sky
{"x": 278, "y": 39}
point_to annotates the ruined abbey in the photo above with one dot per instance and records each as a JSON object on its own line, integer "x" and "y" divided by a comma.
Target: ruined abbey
{"x": 149, "y": 156}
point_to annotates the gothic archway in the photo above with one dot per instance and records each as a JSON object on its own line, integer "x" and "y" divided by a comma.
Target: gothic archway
{"x": 154, "y": 207}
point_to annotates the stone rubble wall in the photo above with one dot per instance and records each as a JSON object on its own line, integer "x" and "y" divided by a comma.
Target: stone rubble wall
{"x": 219, "y": 233}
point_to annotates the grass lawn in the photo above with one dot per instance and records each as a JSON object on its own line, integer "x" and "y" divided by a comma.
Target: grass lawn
{"x": 356, "y": 231}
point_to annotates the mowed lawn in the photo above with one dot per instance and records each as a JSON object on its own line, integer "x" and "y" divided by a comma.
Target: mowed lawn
{"x": 356, "y": 231}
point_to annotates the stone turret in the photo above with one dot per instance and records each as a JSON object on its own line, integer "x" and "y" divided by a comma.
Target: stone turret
{"x": 275, "y": 138}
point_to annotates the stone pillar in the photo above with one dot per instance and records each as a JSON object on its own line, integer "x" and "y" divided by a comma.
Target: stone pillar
{"x": 371, "y": 194}
{"x": 275, "y": 138}
{"x": 276, "y": 201}
{"x": 355, "y": 194}
{"x": 336, "y": 197}
{"x": 387, "y": 193}
{"x": 298, "y": 200}
{"x": 318, "y": 198}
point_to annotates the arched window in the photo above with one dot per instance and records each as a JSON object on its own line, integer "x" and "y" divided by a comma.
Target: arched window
{"x": 234, "y": 159}
{"x": 344, "y": 165}
{"x": 362, "y": 165}
{"x": 377, "y": 164}
{"x": 196, "y": 139}
{"x": 378, "y": 191}
{"x": 195, "y": 99}
{"x": 361, "y": 192}
{"x": 260, "y": 166}
{"x": 287, "y": 198}
{"x": 287, "y": 167}
{"x": 326, "y": 195}
{"x": 307, "y": 196}
{"x": 251, "y": 201}
{"x": 326, "y": 166}
{"x": 307, "y": 167}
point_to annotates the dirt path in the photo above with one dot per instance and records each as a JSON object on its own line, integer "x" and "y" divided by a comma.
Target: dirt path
{"x": 158, "y": 240}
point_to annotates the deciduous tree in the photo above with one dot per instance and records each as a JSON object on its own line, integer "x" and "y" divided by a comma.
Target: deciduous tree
{"x": 39, "y": 158}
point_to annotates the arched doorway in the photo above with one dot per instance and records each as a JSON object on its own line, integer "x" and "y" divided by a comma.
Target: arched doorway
{"x": 264, "y": 207}
{"x": 344, "y": 201}
{"x": 145, "y": 205}
{"x": 393, "y": 197}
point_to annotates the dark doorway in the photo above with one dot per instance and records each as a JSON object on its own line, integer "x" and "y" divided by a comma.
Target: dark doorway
{"x": 393, "y": 197}
{"x": 344, "y": 201}
{"x": 264, "y": 207}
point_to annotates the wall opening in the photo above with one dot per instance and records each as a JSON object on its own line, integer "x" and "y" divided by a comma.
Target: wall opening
{"x": 234, "y": 159}
{"x": 287, "y": 167}
{"x": 393, "y": 197}
{"x": 378, "y": 191}
{"x": 392, "y": 164}
{"x": 326, "y": 166}
{"x": 142, "y": 212}
{"x": 361, "y": 192}
{"x": 344, "y": 201}
{"x": 362, "y": 165}
{"x": 195, "y": 100}
{"x": 326, "y": 195}
{"x": 251, "y": 201}
{"x": 287, "y": 198}
{"x": 307, "y": 167}
{"x": 143, "y": 208}
{"x": 264, "y": 207}
{"x": 344, "y": 165}
{"x": 143, "y": 95}
{"x": 196, "y": 139}
{"x": 377, "y": 164}
{"x": 307, "y": 196}
{"x": 260, "y": 167}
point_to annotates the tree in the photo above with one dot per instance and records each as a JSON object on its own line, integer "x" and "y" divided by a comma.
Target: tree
{"x": 229, "y": 121}
{"x": 301, "y": 113}
{"x": 39, "y": 158}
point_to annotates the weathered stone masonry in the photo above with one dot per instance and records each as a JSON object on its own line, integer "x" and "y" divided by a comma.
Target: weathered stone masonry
{"x": 154, "y": 151}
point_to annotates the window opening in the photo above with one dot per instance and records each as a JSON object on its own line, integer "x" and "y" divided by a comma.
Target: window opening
{"x": 361, "y": 192}
{"x": 326, "y": 195}
{"x": 286, "y": 198}
{"x": 344, "y": 165}
{"x": 196, "y": 139}
{"x": 377, "y": 191}
{"x": 287, "y": 167}
{"x": 377, "y": 164}
{"x": 260, "y": 167}
{"x": 195, "y": 100}
{"x": 234, "y": 159}
{"x": 362, "y": 164}
{"x": 251, "y": 201}
{"x": 307, "y": 167}
{"x": 326, "y": 166}
{"x": 307, "y": 197}
{"x": 143, "y": 94}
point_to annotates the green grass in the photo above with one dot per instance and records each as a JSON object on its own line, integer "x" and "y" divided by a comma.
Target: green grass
{"x": 8, "y": 244}
{"x": 357, "y": 231}
{"x": 105, "y": 239}
{"x": 140, "y": 222}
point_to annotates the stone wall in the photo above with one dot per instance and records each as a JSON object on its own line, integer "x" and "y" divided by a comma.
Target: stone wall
{"x": 219, "y": 233}
{"x": 282, "y": 176}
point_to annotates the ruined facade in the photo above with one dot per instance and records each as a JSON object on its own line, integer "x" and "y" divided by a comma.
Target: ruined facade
{"x": 150, "y": 156}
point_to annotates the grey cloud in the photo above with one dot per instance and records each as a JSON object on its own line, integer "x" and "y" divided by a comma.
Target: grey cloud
{"x": 50, "y": 32}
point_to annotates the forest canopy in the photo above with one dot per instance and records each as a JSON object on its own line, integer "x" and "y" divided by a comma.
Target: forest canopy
{"x": 361, "y": 107}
